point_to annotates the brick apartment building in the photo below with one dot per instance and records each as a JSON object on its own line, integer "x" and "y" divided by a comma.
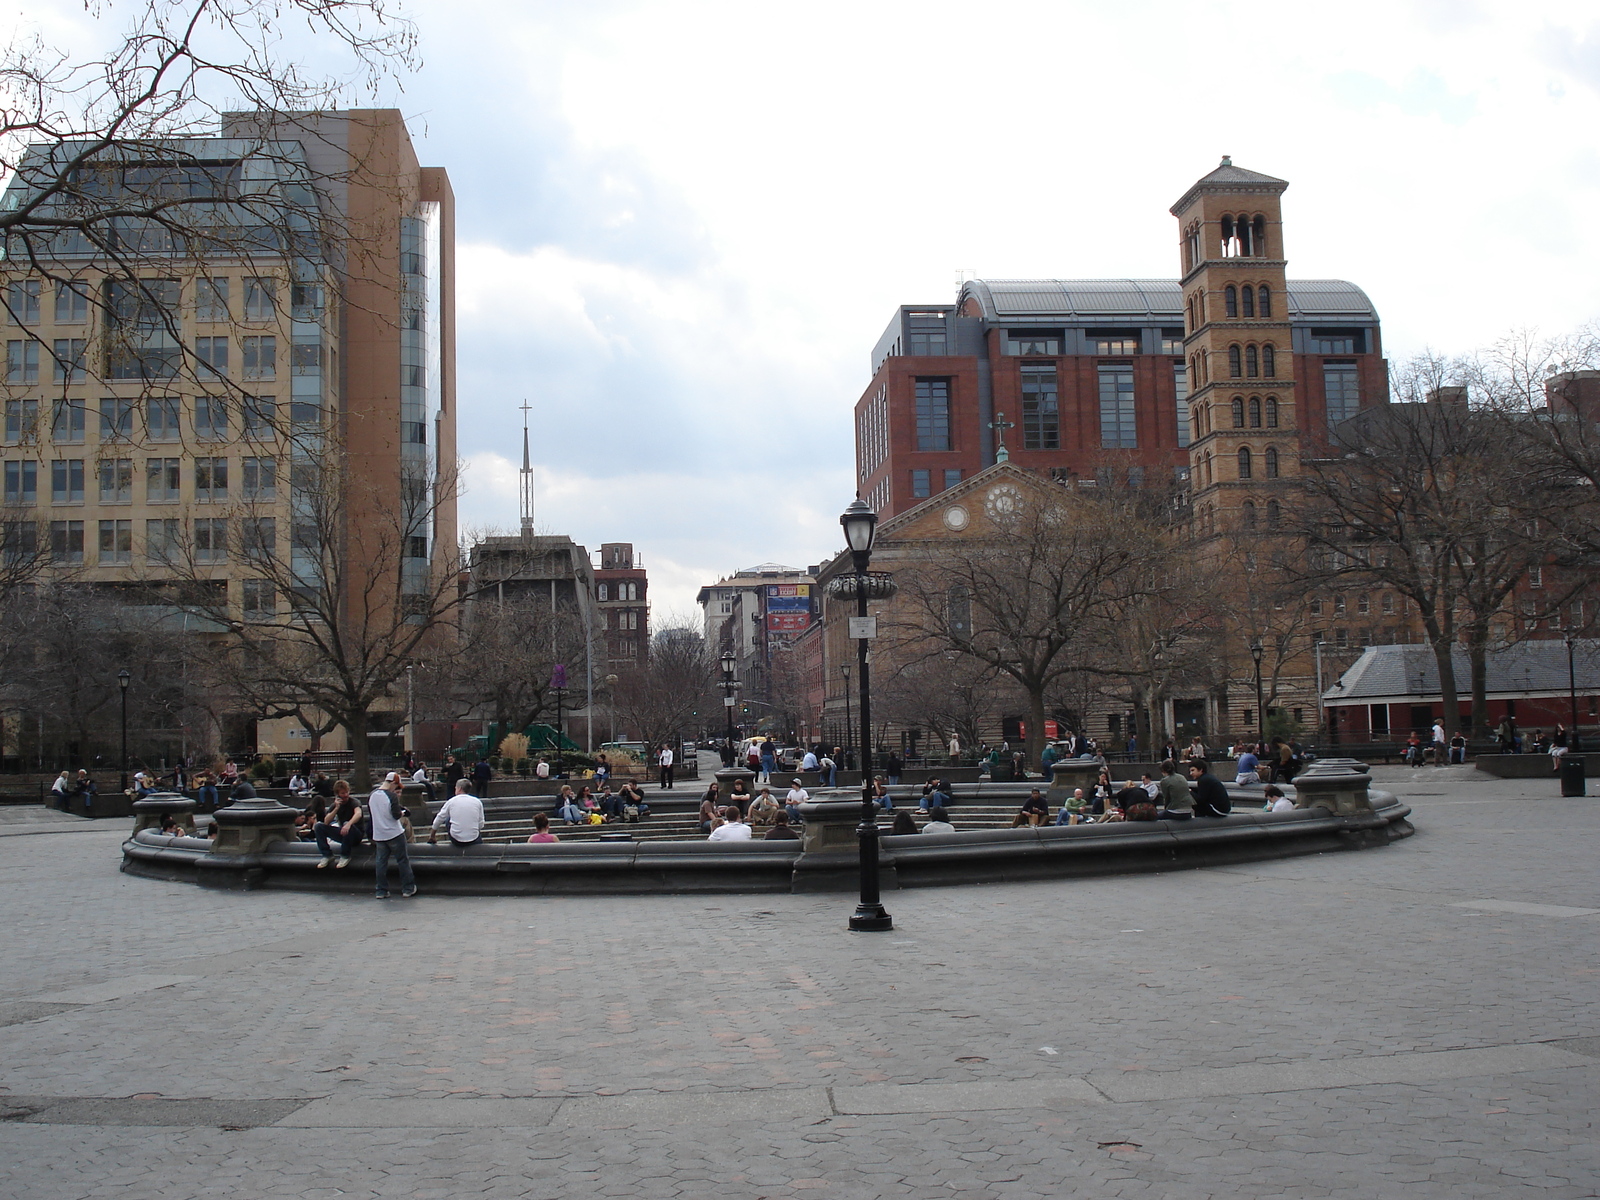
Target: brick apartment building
{"x": 622, "y": 600}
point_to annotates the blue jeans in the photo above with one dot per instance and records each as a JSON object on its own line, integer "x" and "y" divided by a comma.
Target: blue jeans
{"x": 397, "y": 847}
{"x": 327, "y": 831}
{"x": 833, "y": 776}
{"x": 886, "y": 802}
{"x": 768, "y": 765}
{"x": 208, "y": 795}
{"x": 572, "y": 814}
{"x": 1063, "y": 817}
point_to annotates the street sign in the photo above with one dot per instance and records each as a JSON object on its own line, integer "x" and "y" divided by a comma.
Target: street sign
{"x": 863, "y": 627}
{"x": 727, "y": 702}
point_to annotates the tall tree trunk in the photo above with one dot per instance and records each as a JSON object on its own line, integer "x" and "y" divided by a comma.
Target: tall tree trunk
{"x": 1035, "y": 726}
{"x": 1443, "y": 651}
{"x": 361, "y": 768}
{"x": 1478, "y": 659}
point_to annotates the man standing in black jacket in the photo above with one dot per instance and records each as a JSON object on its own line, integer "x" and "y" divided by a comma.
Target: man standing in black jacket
{"x": 1210, "y": 797}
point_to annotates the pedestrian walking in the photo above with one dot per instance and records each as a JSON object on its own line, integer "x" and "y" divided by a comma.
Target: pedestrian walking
{"x": 389, "y": 836}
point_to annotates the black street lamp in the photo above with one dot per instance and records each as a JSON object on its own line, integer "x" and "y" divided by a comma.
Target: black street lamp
{"x": 729, "y": 683}
{"x": 558, "y": 685}
{"x": 860, "y": 527}
{"x": 124, "y": 677}
{"x": 1572, "y": 696}
{"x": 844, "y": 670}
{"x": 1261, "y": 712}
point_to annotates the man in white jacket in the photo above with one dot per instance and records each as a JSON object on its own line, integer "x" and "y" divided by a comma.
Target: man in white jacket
{"x": 461, "y": 818}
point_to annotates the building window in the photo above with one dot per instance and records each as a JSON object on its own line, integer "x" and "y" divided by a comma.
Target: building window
{"x": 67, "y": 359}
{"x": 1269, "y": 362}
{"x": 1255, "y": 412}
{"x": 211, "y": 540}
{"x": 22, "y": 422}
{"x": 1247, "y": 300}
{"x": 921, "y": 485}
{"x": 161, "y": 480}
{"x": 19, "y": 540}
{"x": 933, "y": 414}
{"x": 1336, "y": 341}
{"x": 305, "y": 303}
{"x": 1024, "y": 343}
{"x": 1388, "y": 603}
{"x": 1252, "y": 362}
{"x": 1264, "y": 301}
{"x": 1180, "y": 385}
{"x": 260, "y": 537}
{"x": 1041, "y": 429}
{"x": 305, "y": 358}
{"x": 1274, "y": 513}
{"x": 1244, "y": 462}
{"x": 211, "y": 300}
{"x": 161, "y": 544}
{"x": 260, "y": 357}
{"x": 67, "y": 425}
{"x": 1234, "y": 368}
{"x": 260, "y": 600}
{"x": 66, "y": 543}
{"x": 259, "y": 477}
{"x": 213, "y": 355}
{"x": 1342, "y": 386}
{"x": 161, "y": 419}
{"x": 116, "y": 481}
{"x": 66, "y": 481}
{"x": 1117, "y": 428}
{"x": 1230, "y": 301}
{"x": 1536, "y": 577}
{"x": 22, "y": 361}
{"x": 22, "y": 482}
{"x": 1172, "y": 341}
{"x": 1271, "y": 462}
{"x": 414, "y": 432}
{"x": 260, "y": 300}
{"x": 210, "y": 419}
{"x": 116, "y": 420}
{"x": 1272, "y": 412}
{"x": 952, "y": 476}
{"x": 72, "y": 303}
{"x": 1249, "y": 510}
{"x": 602, "y": 592}
{"x": 1116, "y": 343}
{"x": 925, "y": 333}
{"x": 259, "y": 414}
{"x": 116, "y": 542}
{"x": 1238, "y": 412}
{"x": 22, "y": 302}
{"x": 210, "y": 480}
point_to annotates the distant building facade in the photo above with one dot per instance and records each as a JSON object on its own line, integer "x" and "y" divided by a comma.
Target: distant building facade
{"x": 621, "y": 593}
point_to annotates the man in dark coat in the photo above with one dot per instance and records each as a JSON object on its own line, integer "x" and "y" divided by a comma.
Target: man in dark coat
{"x": 1210, "y": 797}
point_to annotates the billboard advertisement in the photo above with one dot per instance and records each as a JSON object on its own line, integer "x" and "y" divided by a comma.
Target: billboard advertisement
{"x": 788, "y": 607}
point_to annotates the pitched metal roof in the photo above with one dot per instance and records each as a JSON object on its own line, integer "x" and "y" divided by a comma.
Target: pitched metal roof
{"x": 1386, "y": 674}
{"x": 1012, "y": 300}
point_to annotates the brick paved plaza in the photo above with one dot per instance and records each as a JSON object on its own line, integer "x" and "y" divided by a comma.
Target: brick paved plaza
{"x": 1417, "y": 1021}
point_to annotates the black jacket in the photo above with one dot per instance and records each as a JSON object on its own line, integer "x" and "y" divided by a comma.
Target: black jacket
{"x": 1210, "y": 797}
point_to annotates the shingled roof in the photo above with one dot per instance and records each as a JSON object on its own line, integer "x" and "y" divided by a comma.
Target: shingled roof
{"x": 1396, "y": 674}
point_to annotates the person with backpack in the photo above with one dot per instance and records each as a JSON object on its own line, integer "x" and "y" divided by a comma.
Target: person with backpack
{"x": 389, "y": 836}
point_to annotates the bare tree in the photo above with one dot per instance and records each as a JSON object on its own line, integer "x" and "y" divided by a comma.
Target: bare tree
{"x": 1030, "y": 598}
{"x": 947, "y": 693}
{"x": 510, "y": 648}
{"x": 658, "y": 699}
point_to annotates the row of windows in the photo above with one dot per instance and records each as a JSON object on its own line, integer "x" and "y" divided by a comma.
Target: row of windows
{"x": 1048, "y": 343}
{"x": 1337, "y": 605}
{"x": 258, "y": 480}
{"x": 1252, "y": 362}
{"x": 922, "y": 481}
{"x": 1246, "y": 465}
{"x": 625, "y": 619}
{"x": 1238, "y": 236}
{"x": 1251, "y": 414}
{"x": 1041, "y": 412}
{"x": 627, "y": 589}
{"x": 258, "y": 359}
{"x": 147, "y": 299}
{"x": 1238, "y": 300}
{"x": 210, "y": 541}
{"x": 211, "y": 419}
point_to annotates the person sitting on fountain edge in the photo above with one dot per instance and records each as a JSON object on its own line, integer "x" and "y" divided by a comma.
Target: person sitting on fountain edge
{"x": 1210, "y": 797}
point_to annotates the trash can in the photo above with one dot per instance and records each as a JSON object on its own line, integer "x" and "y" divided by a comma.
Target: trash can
{"x": 1571, "y": 775}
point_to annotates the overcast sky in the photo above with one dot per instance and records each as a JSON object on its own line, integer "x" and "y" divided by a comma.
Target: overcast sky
{"x": 683, "y": 225}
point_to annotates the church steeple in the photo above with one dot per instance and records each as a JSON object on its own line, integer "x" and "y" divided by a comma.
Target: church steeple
{"x": 1237, "y": 344}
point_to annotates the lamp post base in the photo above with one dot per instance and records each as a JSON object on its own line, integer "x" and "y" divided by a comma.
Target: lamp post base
{"x": 871, "y": 918}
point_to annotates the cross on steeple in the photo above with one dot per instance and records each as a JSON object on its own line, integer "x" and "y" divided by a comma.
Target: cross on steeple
{"x": 1000, "y": 425}
{"x": 525, "y": 482}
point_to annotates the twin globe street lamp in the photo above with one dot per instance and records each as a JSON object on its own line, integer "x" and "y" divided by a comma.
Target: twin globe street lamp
{"x": 124, "y": 677}
{"x": 729, "y": 685}
{"x": 1256, "y": 651}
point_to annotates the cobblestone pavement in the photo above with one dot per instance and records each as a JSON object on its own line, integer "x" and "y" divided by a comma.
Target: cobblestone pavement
{"x": 1420, "y": 1020}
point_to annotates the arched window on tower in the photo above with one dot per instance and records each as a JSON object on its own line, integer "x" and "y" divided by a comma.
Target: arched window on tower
{"x": 1249, "y": 510}
{"x": 1255, "y": 412}
{"x": 1230, "y": 238}
{"x": 1252, "y": 362}
{"x": 1264, "y": 298}
{"x": 1259, "y": 228}
{"x": 1273, "y": 513}
{"x": 1272, "y": 462}
{"x": 1247, "y": 301}
{"x": 1208, "y": 468}
{"x": 1230, "y": 300}
{"x": 1272, "y": 412}
{"x": 1269, "y": 362}
{"x": 1238, "y": 412}
{"x": 1244, "y": 462}
{"x": 1234, "y": 368}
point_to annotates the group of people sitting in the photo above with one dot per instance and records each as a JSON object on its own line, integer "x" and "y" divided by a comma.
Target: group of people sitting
{"x": 1170, "y": 798}
{"x": 761, "y": 810}
{"x": 587, "y": 807}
